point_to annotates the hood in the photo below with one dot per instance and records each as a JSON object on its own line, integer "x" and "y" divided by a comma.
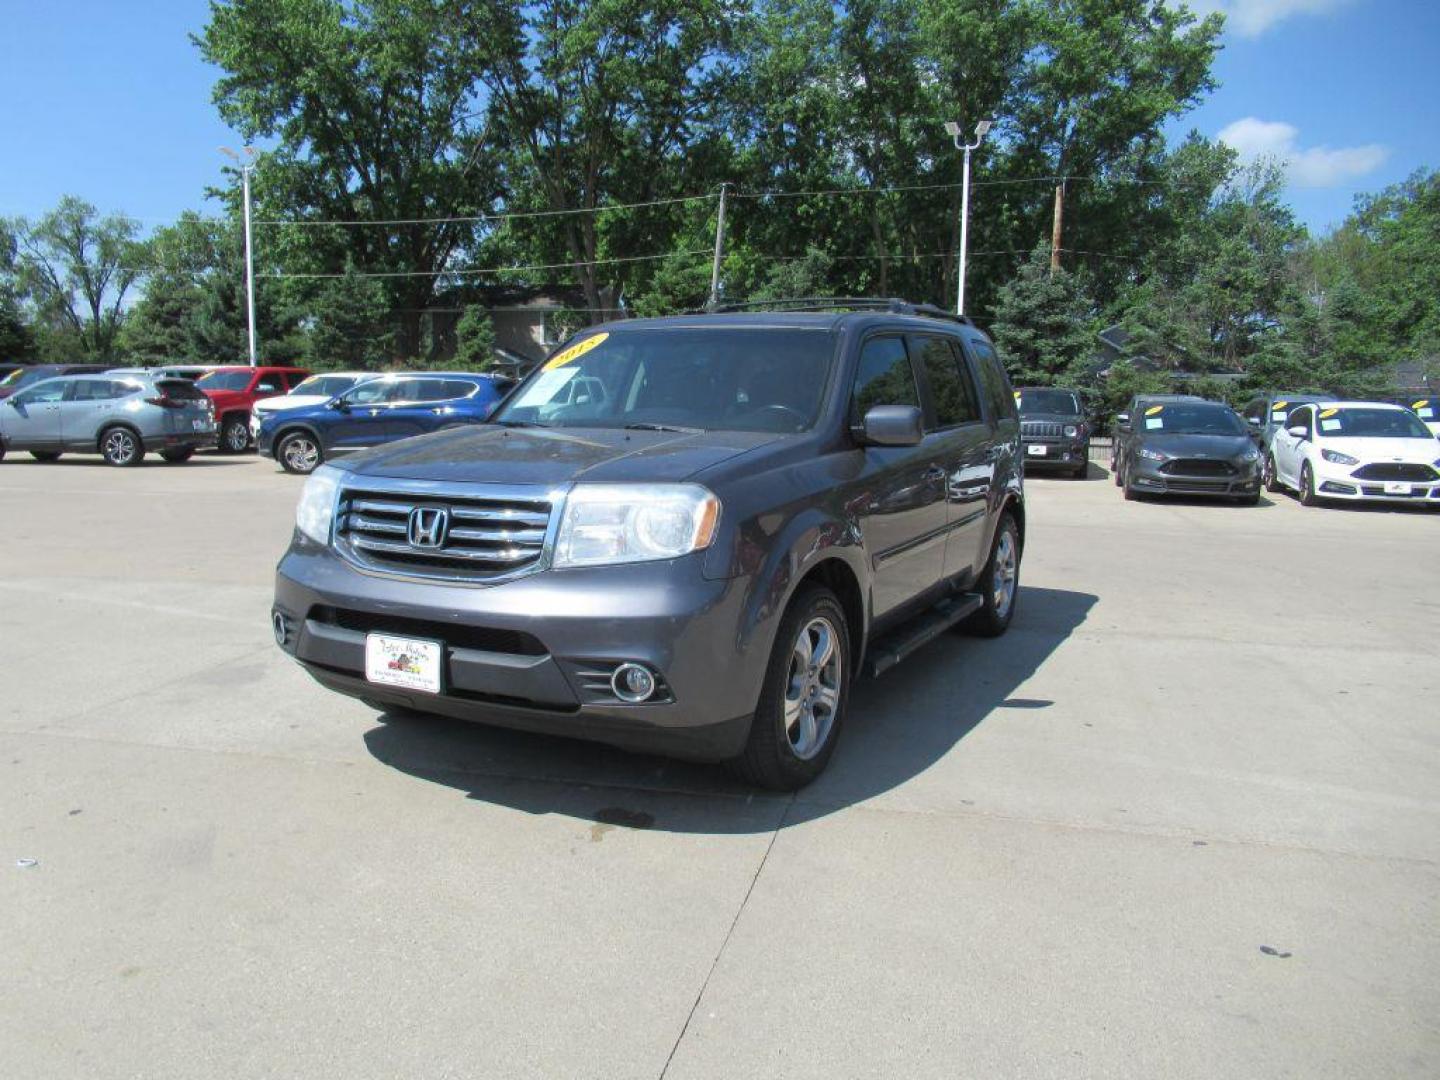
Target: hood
{"x": 1423, "y": 451}
{"x": 287, "y": 402}
{"x": 1219, "y": 447}
{"x": 489, "y": 454}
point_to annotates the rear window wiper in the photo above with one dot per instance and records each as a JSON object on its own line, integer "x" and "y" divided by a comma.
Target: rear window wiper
{"x": 663, "y": 427}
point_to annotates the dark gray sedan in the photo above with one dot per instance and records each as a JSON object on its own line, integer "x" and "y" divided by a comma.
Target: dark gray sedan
{"x": 1189, "y": 448}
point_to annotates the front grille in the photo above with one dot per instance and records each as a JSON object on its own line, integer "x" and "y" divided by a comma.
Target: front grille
{"x": 1376, "y": 489}
{"x": 1040, "y": 429}
{"x": 486, "y": 537}
{"x": 1199, "y": 487}
{"x": 1416, "y": 474}
{"x": 1197, "y": 467}
{"x": 455, "y": 635}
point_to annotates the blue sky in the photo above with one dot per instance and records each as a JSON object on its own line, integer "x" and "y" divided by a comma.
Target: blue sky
{"x": 108, "y": 99}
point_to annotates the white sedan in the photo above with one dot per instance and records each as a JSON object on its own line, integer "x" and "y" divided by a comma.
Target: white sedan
{"x": 1358, "y": 450}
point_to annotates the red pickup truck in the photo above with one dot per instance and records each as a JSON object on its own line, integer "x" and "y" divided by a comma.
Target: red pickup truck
{"x": 233, "y": 390}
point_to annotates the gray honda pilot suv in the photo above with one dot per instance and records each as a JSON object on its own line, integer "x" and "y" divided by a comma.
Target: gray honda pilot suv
{"x": 696, "y": 555}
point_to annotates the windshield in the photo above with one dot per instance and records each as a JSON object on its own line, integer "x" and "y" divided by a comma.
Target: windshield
{"x": 325, "y": 385}
{"x": 1200, "y": 418}
{"x": 224, "y": 380}
{"x": 707, "y": 378}
{"x": 1052, "y": 402}
{"x": 1376, "y": 423}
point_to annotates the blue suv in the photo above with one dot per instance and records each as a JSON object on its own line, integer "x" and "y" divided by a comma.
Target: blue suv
{"x": 378, "y": 411}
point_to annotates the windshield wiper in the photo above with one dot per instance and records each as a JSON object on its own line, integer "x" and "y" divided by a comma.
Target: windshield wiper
{"x": 663, "y": 427}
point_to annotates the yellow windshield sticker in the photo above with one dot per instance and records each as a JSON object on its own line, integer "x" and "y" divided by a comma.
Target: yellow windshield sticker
{"x": 1328, "y": 413}
{"x": 1154, "y": 410}
{"x": 1280, "y": 404}
{"x": 1421, "y": 404}
{"x": 574, "y": 352}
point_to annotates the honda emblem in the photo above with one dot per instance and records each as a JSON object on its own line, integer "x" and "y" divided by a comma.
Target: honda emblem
{"x": 427, "y": 526}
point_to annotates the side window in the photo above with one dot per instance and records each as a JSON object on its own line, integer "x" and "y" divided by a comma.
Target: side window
{"x": 269, "y": 384}
{"x": 1255, "y": 410}
{"x": 1301, "y": 418}
{"x": 952, "y": 390}
{"x": 43, "y": 394}
{"x": 440, "y": 389}
{"x": 375, "y": 392}
{"x": 999, "y": 395}
{"x": 883, "y": 377}
{"x": 294, "y": 379}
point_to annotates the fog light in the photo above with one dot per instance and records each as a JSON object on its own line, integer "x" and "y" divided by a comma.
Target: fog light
{"x": 632, "y": 683}
{"x": 282, "y": 630}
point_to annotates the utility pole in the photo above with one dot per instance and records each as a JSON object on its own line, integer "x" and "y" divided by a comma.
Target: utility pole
{"x": 1055, "y": 228}
{"x": 246, "y": 167}
{"x": 719, "y": 251}
{"x": 953, "y": 129}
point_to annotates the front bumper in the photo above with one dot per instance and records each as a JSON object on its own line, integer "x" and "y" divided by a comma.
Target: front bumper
{"x": 1055, "y": 453}
{"x": 532, "y": 652}
{"x": 1338, "y": 482}
{"x": 1151, "y": 478}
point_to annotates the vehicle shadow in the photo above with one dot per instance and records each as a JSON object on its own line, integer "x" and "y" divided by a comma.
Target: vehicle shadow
{"x": 898, "y": 726}
{"x": 95, "y": 461}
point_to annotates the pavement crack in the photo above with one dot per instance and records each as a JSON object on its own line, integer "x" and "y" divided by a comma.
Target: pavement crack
{"x": 705, "y": 985}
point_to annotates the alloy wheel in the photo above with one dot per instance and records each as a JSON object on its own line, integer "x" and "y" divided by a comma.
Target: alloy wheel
{"x": 812, "y": 687}
{"x": 301, "y": 454}
{"x": 119, "y": 447}
{"x": 1003, "y": 578}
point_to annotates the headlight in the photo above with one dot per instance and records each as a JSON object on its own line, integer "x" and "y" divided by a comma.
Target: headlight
{"x": 1250, "y": 455}
{"x": 316, "y": 509}
{"x": 619, "y": 523}
{"x": 1337, "y": 458}
{"x": 1071, "y": 431}
{"x": 1153, "y": 455}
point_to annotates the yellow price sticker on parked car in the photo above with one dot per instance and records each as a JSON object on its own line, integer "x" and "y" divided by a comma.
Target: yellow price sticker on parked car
{"x": 1154, "y": 410}
{"x": 1328, "y": 413}
{"x": 574, "y": 352}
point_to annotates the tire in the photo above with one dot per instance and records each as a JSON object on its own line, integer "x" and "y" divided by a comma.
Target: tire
{"x": 120, "y": 446}
{"x": 299, "y": 453}
{"x": 1081, "y": 471}
{"x": 1307, "y": 487}
{"x": 45, "y": 455}
{"x": 1131, "y": 495}
{"x": 2, "y": 451}
{"x": 999, "y": 582}
{"x": 178, "y": 457}
{"x": 801, "y": 710}
{"x": 1269, "y": 477}
{"x": 1115, "y": 471}
{"x": 235, "y": 434}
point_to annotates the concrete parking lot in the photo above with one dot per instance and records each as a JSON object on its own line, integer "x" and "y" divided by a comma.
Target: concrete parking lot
{"x": 1183, "y": 821}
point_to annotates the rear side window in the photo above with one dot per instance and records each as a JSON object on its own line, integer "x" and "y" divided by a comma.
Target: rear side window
{"x": 999, "y": 395}
{"x": 882, "y": 378}
{"x": 101, "y": 389}
{"x": 952, "y": 391}
{"x": 443, "y": 389}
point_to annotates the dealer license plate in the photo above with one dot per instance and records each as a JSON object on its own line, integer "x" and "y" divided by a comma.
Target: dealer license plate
{"x": 404, "y": 662}
{"x": 1035, "y": 450}
{"x": 1396, "y": 487}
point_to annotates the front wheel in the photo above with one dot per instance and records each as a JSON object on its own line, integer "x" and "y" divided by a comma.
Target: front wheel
{"x": 121, "y": 446}
{"x": 1307, "y": 487}
{"x": 45, "y": 455}
{"x": 802, "y": 702}
{"x": 235, "y": 435}
{"x": 1269, "y": 476}
{"x": 999, "y": 583}
{"x": 299, "y": 453}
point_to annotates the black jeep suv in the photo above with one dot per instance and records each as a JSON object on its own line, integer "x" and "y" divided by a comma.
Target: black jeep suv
{"x": 740, "y": 514}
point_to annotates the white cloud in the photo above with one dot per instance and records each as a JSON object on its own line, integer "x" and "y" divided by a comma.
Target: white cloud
{"x": 1311, "y": 167}
{"x": 1251, "y": 18}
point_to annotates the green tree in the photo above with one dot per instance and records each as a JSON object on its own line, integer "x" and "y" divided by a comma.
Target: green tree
{"x": 77, "y": 269}
{"x": 1044, "y": 324}
{"x": 160, "y": 327}
{"x": 17, "y": 341}
{"x": 474, "y": 340}
{"x": 350, "y": 324}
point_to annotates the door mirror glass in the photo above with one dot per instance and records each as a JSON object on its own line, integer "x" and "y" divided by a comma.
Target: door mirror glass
{"x": 892, "y": 425}
{"x": 1122, "y": 419}
{"x": 1254, "y": 421}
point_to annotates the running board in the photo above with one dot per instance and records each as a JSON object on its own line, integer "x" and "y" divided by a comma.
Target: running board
{"x": 921, "y": 630}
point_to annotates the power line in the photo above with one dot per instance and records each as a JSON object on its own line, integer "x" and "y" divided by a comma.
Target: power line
{"x": 494, "y": 269}
{"x": 508, "y": 216}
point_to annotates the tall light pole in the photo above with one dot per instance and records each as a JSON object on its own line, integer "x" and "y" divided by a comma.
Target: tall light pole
{"x": 247, "y": 165}
{"x": 953, "y": 130}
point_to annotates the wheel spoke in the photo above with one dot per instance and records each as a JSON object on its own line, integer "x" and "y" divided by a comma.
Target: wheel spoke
{"x": 824, "y": 647}
{"x": 805, "y": 738}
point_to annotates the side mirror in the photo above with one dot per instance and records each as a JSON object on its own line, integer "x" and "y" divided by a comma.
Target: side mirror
{"x": 1300, "y": 431}
{"x": 892, "y": 425}
{"x": 1123, "y": 419}
{"x": 1253, "y": 421}
{"x": 340, "y": 405}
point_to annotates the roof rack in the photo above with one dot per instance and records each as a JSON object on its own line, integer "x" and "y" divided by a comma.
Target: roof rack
{"x": 893, "y": 305}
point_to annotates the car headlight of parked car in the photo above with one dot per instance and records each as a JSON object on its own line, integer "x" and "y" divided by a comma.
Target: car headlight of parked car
{"x": 1250, "y": 455}
{"x": 1153, "y": 455}
{"x": 1071, "y": 431}
{"x": 316, "y": 510}
{"x": 621, "y": 523}
{"x": 1335, "y": 457}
